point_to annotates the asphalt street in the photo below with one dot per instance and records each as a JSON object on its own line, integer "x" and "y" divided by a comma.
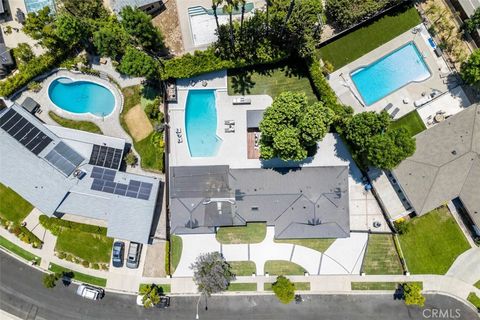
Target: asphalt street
{"x": 22, "y": 294}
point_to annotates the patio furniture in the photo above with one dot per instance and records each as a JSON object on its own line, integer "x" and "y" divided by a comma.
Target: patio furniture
{"x": 242, "y": 100}
{"x": 179, "y": 140}
{"x": 395, "y": 112}
{"x": 230, "y": 130}
{"x": 388, "y": 107}
{"x": 229, "y": 122}
{"x": 439, "y": 117}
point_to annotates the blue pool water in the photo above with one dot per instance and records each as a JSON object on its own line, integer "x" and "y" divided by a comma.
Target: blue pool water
{"x": 81, "y": 97}
{"x": 390, "y": 73}
{"x": 37, "y": 5}
{"x": 201, "y": 123}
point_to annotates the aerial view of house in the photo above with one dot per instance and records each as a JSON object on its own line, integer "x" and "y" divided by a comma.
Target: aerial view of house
{"x": 239, "y": 159}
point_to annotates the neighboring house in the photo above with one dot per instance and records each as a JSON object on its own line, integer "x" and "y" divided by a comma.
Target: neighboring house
{"x": 75, "y": 175}
{"x": 149, "y": 6}
{"x": 466, "y": 9}
{"x": 6, "y": 60}
{"x": 445, "y": 166}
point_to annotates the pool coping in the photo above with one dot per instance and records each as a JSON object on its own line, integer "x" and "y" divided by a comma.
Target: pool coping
{"x": 116, "y": 103}
{"x": 383, "y": 57}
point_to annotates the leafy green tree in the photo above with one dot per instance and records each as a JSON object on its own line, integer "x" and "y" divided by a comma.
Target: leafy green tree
{"x": 137, "y": 63}
{"x": 473, "y": 23}
{"x": 470, "y": 69}
{"x": 37, "y": 24}
{"x": 69, "y": 29}
{"x": 110, "y": 39}
{"x": 139, "y": 25}
{"x": 291, "y": 128}
{"x": 151, "y": 295}
{"x": 363, "y": 126}
{"x": 91, "y": 9}
{"x": 386, "y": 151}
{"x": 413, "y": 294}
{"x": 211, "y": 273}
{"x": 50, "y": 280}
{"x": 23, "y": 54}
{"x": 346, "y": 13}
{"x": 284, "y": 289}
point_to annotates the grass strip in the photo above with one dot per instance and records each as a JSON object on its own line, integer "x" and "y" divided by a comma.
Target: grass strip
{"x": 22, "y": 253}
{"x": 74, "y": 124}
{"x": 164, "y": 288}
{"x": 242, "y": 287}
{"x": 82, "y": 277}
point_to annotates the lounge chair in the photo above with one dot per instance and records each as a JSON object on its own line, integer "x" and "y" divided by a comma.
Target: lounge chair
{"x": 394, "y": 113}
{"x": 179, "y": 140}
{"x": 230, "y": 130}
{"x": 229, "y": 122}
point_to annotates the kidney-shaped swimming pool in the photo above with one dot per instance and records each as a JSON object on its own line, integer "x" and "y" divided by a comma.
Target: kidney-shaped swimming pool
{"x": 81, "y": 96}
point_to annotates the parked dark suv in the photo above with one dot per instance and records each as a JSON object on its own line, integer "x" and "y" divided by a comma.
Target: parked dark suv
{"x": 117, "y": 255}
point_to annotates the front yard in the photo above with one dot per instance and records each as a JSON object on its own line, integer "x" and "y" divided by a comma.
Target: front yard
{"x": 282, "y": 267}
{"x": 432, "y": 242}
{"x": 243, "y": 268}
{"x": 96, "y": 281}
{"x": 12, "y": 206}
{"x": 381, "y": 256}
{"x": 91, "y": 247}
{"x": 251, "y": 233}
{"x": 320, "y": 245}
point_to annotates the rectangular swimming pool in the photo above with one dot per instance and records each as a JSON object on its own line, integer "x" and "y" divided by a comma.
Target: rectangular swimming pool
{"x": 37, "y": 5}
{"x": 390, "y": 73}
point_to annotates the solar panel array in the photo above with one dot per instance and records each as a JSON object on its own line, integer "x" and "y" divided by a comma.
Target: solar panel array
{"x": 64, "y": 158}
{"x": 24, "y": 131}
{"x": 106, "y": 157}
{"x": 103, "y": 180}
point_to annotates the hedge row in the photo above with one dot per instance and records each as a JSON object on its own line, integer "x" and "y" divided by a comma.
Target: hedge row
{"x": 32, "y": 69}
{"x": 55, "y": 225}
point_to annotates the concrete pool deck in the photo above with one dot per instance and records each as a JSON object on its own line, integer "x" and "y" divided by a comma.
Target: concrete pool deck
{"x": 403, "y": 98}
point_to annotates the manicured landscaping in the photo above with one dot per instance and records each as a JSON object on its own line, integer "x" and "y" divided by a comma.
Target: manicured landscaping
{"x": 282, "y": 267}
{"x": 96, "y": 281}
{"x": 251, "y": 233}
{"x": 91, "y": 247}
{"x": 13, "y": 248}
{"x": 378, "y": 285}
{"x": 164, "y": 288}
{"x": 474, "y": 299}
{"x": 411, "y": 121}
{"x": 477, "y": 284}
{"x": 320, "y": 245}
{"x": 381, "y": 256}
{"x": 151, "y": 154}
{"x": 176, "y": 247}
{"x": 432, "y": 242}
{"x": 304, "y": 286}
{"x": 361, "y": 41}
{"x": 73, "y": 124}
{"x": 242, "y": 287}
{"x": 242, "y": 268}
{"x": 12, "y": 206}
{"x": 270, "y": 80}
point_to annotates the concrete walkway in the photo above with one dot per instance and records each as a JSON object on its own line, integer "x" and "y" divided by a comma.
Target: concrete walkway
{"x": 467, "y": 266}
{"x": 344, "y": 256}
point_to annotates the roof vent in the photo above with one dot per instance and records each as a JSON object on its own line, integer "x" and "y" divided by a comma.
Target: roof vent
{"x": 454, "y": 152}
{"x": 254, "y": 208}
{"x": 79, "y": 174}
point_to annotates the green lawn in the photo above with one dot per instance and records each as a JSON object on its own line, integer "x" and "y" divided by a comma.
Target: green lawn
{"x": 94, "y": 248}
{"x": 283, "y": 267}
{"x": 320, "y": 245}
{"x": 243, "y": 268}
{"x": 474, "y": 299}
{"x": 164, "y": 288}
{"x": 96, "y": 281}
{"x": 253, "y": 232}
{"x": 13, "y": 248}
{"x": 377, "y": 285}
{"x": 12, "y": 206}
{"x": 432, "y": 242}
{"x": 411, "y": 121}
{"x": 359, "y": 42}
{"x": 242, "y": 287}
{"x": 381, "y": 256}
{"x": 270, "y": 80}
{"x": 477, "y": 284}
{"x": 73, "y": 124}
{"x": 176, "y": 247}
{"x": 150, "y": 153}
{"x": 304, "y": 286}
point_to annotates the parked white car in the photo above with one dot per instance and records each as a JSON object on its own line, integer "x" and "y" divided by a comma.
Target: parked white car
{"x": 89, "y": 292}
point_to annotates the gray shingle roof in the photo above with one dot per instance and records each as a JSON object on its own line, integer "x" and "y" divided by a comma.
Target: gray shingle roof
{"x": 300, "y": 202}
{"x": 53, "y": 192}
{"x": 445, "y": 165}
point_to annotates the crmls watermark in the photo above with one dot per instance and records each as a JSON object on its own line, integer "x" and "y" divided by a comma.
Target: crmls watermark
{"x": 441, "y": 313}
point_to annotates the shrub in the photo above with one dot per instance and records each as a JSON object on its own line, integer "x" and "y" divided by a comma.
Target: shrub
{"x": 61, "y": 255}
{"x": 130, "y": 158}
{"x": 55, "y": 225}
{"x": 85, "y": 263}
{"x": 284, "y": 289}
{"x": 401, "y": 225}
{"x": 95, "y": 266}
{"x": 413, "y": 294}
{"x": 346, "y": 13}
{"x": 50, "y": 280}
{"x": 34, "y": 86}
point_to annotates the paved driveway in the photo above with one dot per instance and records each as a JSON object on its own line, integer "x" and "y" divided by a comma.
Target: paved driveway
{"x": 467, "y": 266}
{"x": 344, "y": 256}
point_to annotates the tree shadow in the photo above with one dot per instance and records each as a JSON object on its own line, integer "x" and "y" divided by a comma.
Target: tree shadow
{"x": 242, "y": 83}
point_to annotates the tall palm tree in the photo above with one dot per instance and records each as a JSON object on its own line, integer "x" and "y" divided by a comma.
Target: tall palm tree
{"x": 289, "y": 14}
{"x": 268, "y": 3}
{"x": 243, "y": 3}
{"x": 228, "y": 8}
{"x": 215, "y": 4}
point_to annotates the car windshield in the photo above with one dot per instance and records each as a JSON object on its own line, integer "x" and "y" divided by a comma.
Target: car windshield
{"x": 116, "y": 251}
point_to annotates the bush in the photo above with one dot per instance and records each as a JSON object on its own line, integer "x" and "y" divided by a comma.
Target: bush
{"x": 284, "y": 289}
{"x": 130, "y": 158}
{"x": 401, "y": 225}
{"x": 85, "y": 263}
{"x": 95, "y": 266}
{"x": 61, "y": 255}
{"x": 55, "y": 225}
{"x": 50, "y": 280}
{"x": 34, "y": 86}
{"x": 413, "y": 294}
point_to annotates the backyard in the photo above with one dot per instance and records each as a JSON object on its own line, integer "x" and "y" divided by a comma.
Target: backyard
{"x": 270, "y": 80}
{"x": 359, "y": 42}
{"x": 251, "y": 233}
{"x": 381, "y": 256}
{"x": 12, "y": 206}
{"x": 432, "y": 242}
{"x": 411, "y": 121}
{"x": 73, "y": 124}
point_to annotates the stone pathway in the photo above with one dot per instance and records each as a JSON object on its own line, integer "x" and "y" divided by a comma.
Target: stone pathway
{"x": 344, "y": 256}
